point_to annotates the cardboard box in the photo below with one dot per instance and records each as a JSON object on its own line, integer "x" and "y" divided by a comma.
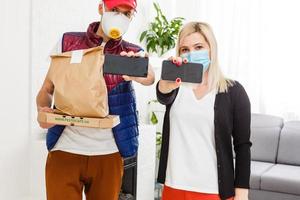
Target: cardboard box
{"x": 60, "y": 119}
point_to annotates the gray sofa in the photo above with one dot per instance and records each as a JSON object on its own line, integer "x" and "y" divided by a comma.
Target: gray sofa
{"x": 275, "y": 155}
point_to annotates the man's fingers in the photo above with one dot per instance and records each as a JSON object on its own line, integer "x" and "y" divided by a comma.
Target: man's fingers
{"x": 126, "y": 78}
{"x": 46, "y": 125}
{"x": 130, "y": 54}
{"x": 141, "y": 54}
{"x": 46, "y": 109}
{"x": 123, "y": 53}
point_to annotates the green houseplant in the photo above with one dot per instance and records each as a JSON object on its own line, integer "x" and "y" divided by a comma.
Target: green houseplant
{"x": 162, "y": 34}
{"x": 154, "y": 121}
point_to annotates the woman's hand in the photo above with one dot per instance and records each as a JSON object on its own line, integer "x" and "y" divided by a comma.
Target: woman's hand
{"x": 168, "y": 86}
{"x": 149, "y": 80}
{"x": 49, "y": 110}
{"x": 241, "y": 194}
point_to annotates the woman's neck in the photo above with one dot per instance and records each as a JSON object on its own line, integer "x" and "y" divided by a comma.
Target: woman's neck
{"x": 205, "y": 78}
{"x": 202, "y": 89}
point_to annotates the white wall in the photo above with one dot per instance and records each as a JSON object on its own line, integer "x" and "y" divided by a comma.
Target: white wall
{"x": 280, "y": 58}
{"x": 14, "y": 98}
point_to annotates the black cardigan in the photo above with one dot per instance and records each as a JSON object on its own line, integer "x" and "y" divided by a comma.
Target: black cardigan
{"x": 232, "y": 120}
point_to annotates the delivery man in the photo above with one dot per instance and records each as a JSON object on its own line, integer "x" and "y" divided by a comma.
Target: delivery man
{"x": 90, "y": 159}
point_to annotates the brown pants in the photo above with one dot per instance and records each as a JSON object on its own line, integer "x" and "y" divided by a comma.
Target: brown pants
{"x": 67, "y": 174}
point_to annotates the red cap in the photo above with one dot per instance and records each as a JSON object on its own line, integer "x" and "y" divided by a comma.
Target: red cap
{"x": 114, "y": 3}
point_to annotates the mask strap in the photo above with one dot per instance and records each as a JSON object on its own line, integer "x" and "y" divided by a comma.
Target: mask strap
{"x": 103, "y": 6}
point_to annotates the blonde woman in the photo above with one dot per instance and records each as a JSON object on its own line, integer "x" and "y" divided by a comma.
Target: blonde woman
{"x": 200, "y": 122}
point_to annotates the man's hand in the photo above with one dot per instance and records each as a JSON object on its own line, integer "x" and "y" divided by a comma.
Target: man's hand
{"x": 45, "y": 109}
{"x": 44, "y": 100}
{"x": 241, "y": 194}
{"x": 149, "y": 80}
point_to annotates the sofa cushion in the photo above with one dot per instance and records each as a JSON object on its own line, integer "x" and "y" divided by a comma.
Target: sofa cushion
{"x": 289, "y": 144}
{"x": 265, "y": 121}
{"x": 265, "y": 132}
{"x": 257, "y": 169}
{"x": 282, "y": 178}
{"x": 268, "y": 195}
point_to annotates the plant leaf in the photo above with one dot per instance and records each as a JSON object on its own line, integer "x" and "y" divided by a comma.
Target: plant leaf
{"x": 154, "y": 118}
{"x": 143, "y": 36}
{"x": 161, "y": 34}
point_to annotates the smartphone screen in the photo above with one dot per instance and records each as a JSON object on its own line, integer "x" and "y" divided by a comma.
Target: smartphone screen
{"x": 123, "y": 65}
{"x": 189, "y": 72}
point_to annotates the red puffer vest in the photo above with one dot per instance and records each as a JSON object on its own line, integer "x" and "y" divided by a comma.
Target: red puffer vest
{"x": 121, "y": 96}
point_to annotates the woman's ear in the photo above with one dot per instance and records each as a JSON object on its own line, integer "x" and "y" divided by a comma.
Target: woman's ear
{"x": 100, "y": 8}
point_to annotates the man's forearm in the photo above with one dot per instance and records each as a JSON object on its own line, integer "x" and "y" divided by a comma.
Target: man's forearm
{"x": 146, "y": 81}
{"x": 43, "y": 99}
{"x": 150, "y": 78}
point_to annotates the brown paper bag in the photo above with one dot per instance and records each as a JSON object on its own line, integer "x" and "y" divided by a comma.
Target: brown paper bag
{"x": 79, "y": 85}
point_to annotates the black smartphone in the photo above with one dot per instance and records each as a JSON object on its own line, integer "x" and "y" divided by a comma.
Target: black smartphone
{"x": 187, "y": 72}
{"x": 123, "y": 65}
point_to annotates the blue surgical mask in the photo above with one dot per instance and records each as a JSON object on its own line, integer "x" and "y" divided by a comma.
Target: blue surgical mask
{"x": 201, "y": 57}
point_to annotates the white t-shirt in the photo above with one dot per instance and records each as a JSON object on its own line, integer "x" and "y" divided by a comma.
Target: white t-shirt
{"x": 82, "y": 140}
{"x": 192, "y": 160}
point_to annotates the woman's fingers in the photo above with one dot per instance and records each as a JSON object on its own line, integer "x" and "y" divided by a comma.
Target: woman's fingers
{"x": 176, "y": 60}
{"x": 179, "y": 61}
{"x": 178, "y": 81}
{"x": 185, "y": 60}
{"x": 171, "y": 58}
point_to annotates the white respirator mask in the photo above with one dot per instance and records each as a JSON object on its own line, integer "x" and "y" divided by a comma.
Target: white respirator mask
{"x": 114, "y": 24}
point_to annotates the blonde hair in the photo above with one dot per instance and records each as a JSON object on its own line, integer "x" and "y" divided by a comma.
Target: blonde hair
{"x": 216, "y": 78}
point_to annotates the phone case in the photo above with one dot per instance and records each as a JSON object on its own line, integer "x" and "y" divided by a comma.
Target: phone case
{"x": 123, "y": 65}
{"x": 187, "y": 72}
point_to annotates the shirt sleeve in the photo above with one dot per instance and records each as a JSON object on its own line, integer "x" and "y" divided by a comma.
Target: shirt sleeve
{"x": 241, "y": 136}
{"x": 166, "y": 99}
